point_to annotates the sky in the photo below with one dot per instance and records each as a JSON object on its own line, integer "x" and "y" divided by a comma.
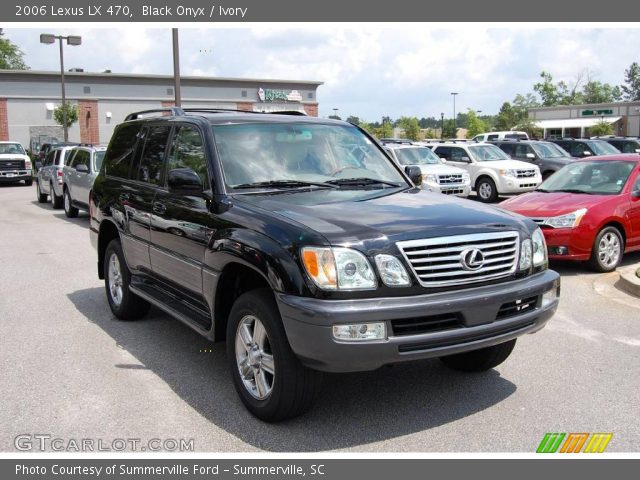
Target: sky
{"x": 368, "y": 70}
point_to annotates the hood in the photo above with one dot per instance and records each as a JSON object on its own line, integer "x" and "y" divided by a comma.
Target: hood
{"x": 14, "y": 156}
{"x": 508, "y": 164}
{"x": 357, "y": 216}
{"x": 440, "y": 169}
{"x": 551, "y": 204}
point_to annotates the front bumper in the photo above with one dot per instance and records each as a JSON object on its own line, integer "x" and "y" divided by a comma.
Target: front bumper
{"x": 577, "y": 242}
{"x": 15, "y": 175}
{"x": 308, "y": 323}
{"x": 514, "y": 186}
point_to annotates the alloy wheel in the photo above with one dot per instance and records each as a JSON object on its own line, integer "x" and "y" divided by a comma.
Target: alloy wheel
{"x": 254, "y": 358}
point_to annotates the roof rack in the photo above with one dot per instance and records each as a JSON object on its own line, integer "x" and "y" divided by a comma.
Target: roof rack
{"x": 175, "y": 111}
{"x": 179, "y": 112}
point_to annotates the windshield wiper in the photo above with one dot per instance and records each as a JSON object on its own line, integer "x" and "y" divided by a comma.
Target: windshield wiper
{"x": 283, "y": 184}
{"x": 573, "y": 190}
{"x": 542, "y": 190}
{"x": 361, "y": 182}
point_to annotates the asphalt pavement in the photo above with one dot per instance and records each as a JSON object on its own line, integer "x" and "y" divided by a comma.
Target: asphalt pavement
{"x": 72, "y": 371}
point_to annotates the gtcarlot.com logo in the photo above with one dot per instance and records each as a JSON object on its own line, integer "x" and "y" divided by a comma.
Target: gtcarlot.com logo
{"x": 574, "y": 442}
{"x": 49, "y": 443}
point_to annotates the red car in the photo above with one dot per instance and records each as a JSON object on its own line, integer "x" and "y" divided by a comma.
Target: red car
{"x": 588, "y": 210}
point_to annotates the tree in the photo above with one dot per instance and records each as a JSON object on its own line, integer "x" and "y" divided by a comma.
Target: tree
{"x": 11, "y": 57}
{"x": 335, "y": 117}
{"x": 410, "y": 126}
{"x": 528, "y": 125}
{"x": 353, "y": 119}
{"x": 383, "y": 131}
{"x": 507, "y": 117}
{"x": 449, "y": 130}
{"x": 632, "y": 79}
{"x": 475, "y": 126}
{"x": 72, "y": 114}
{"x": 521, "y": 105}
{"x": 598, "y": 92}
{"x": 601, "y": 128}
{"x": 547, "y": 90}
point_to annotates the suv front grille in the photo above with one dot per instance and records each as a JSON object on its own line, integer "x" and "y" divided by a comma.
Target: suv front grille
{"x": 526, "y": 173}
{"x": 431, "y": 323}
{"x": 439, "y": 262}
{"x": 12, "y": 164}
{"x": 450, "y": 179}
{"x": 517, "y": 307}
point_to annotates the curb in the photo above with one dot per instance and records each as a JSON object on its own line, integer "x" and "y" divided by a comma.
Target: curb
{"x": 629, "y": 281}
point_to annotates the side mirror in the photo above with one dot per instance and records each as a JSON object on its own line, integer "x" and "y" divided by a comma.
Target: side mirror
{"x": 635, "y": 193}
{"x": 414, "y": 173}
{"x": 443, "y": 160}
{"x": 465, "y": 159}
{"x": 637, "y": 150}
{"x": 82, "y": 168}
{"x": 586, "y": 153}
{"x": 531, "y": 156}
{"x": 184, "y": 181}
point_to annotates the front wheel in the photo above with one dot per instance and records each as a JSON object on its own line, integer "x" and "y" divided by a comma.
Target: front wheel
{"x": 69, "y": 210}
{"x": 117, "y": 279}
{"x": 607, "y": 250}
{"x": 269, "y": 378}
{"x": 486, "y": 189}
{"x": 480, "y": 360}
{"x": 28, "y": 182}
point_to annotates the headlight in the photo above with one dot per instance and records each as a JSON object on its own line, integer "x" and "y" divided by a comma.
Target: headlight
{"x": 525, "y": 255}
{"x": 466, "y": 178}
{"x": 508, "y": 173}
{"x": 392, "y": 271}
{"x": 539, "y": 249}
{"x": 569, "y": 220}
{"x": 338, "y": 268}
{"x": 430, "y": 178}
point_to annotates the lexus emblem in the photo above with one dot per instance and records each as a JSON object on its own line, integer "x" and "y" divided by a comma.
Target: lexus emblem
{"x": 471, "y": 259}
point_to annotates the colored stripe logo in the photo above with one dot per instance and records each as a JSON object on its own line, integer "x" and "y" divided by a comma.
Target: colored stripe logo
{"x": 573, "y": 442}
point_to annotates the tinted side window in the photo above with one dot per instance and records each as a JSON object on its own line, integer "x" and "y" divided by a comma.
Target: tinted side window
{"x": 444, "y": 152}
{"x": 492, "y": 137}
{"x": 120, "y": 152}
{"x": 81, "y": 157}
{"x": 187, "y": 151}
{"x": 457, "y": 155}
{"x": 521, "y": 151}
{"x": 153, "y": 155}
{"x": 577, "y": 149}
{"x": 506, "y": 148}
{"x": 49, "y": 160}
{"x": 627, "y": 147}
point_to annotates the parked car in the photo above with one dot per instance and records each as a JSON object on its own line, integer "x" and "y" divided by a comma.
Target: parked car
{"x": 588, "y": 211}
{"x": 585, "y": 147}
{"x": 78, "y": 176}
{"x": 492, "y": 172}
{"x": 624, "y": 144}
{"x": 49, "y": 178}
{"x": 548, "y": 156}
{"x": 436, "y": 176}
{"x": 15, "y": 164}
{"x": 310, "y": 259}
{"x": 45, "y": 148}
{"x": 489, "y": 136}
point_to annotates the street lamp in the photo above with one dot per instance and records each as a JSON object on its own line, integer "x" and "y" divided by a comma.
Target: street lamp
{"x": 335, "y": 112}
{"x": 441, "y": 125}
{"x": 72, "y": 40}
{"x": 454, "y": 113}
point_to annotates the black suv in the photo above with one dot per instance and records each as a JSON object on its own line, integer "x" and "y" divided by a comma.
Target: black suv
{"x": 585, "y": 147}
{"x": 305, "y": 253}
{"x": 548, "y": 156}
{"x": 624, "y": 144}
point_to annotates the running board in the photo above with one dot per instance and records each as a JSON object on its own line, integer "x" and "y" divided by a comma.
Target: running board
{"x": 191, "y": 317}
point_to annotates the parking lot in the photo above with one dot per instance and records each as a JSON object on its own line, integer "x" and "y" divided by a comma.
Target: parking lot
{"x": 71, "y": 370}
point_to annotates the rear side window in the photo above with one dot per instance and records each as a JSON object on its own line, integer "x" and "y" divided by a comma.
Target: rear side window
{"x": 120, "y": 152}
{"x": 492, "y": 137}
{"x": 152, "y": 158}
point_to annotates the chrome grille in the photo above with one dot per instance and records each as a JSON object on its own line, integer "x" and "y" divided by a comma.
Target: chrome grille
{"x": 438, "y": 262}
{"x": 450, "y": 179}
{"x": 453, "y": 191}
{"x": 12, "y": 164}
{"x": 525, "y": 173}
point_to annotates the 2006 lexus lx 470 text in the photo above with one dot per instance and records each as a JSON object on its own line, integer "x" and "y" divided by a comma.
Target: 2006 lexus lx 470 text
{"x": 300, "y": 243}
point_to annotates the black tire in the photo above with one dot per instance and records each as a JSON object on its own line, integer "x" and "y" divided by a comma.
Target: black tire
{"x": 547, "y": 174}
{"x": 486, "y": 190}
{"x": 293, "y": 386}
{"x": 606, "y": 264}
{"x": 28, "y": 182}
{"x": 69, "y": 210}
{"x": 480, "y": 360}
{"x": 42, "y": 197}
{"x": 130, "y": 306}
{"x": 56, "y": 201}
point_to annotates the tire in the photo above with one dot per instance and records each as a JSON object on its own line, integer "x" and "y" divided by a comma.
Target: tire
{"x": 56, "y": 201}
{"x": 42, "y": 197}
{"x": 69, "y": 210}
{"x": 124, "y": 304}
{"x": 480, "y": 360}
{"x": 290, "y": 389}
{"x": 28, "y": 182}
{"x": 607, "y": 250}
{"x": 486, "y": 190}
{"x": 547, "y": 174}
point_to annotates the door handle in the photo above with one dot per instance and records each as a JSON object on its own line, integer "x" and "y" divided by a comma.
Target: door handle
{"x": 159, "y": 208}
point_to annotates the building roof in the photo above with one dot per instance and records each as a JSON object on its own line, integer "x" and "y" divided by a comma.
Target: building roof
{"x": 586, "y": 106}
{"x": 574, "y": 122}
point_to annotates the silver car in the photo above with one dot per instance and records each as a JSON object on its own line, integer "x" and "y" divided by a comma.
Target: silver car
{"x": 79, "y": 173}
{"x": 49, "y": 176}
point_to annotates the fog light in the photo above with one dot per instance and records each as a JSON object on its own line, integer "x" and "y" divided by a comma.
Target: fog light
{"x": 360, "y": 332}
{"x": 562, "y": 250}
{"x": 549, "y": 297}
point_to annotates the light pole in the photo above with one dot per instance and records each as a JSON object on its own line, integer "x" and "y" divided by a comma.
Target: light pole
{"x": 335, "y": 112}
{"x": 441, "y": 125}
{"x": 176, "y": 68}
{"x": 455, "y": 130}
{"x": 72, "y": 40}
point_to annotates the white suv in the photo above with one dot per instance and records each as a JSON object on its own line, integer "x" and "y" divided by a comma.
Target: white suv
{"x": 492, "y": 171}
{"x": 436, "y": 176}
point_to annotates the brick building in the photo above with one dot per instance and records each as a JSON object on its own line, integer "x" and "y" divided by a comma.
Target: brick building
{"x": 28, "y": 98}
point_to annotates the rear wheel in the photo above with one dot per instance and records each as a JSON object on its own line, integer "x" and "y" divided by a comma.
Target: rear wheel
{"x": 42, "y": 197}
{"x": 56, "y": 201}
{"x": 480, "y": 360}
{"x": 117, "y": 279}
{"x": 607, "y": 250}
{"x": 69, "y": 210}
{"x": 28, "y": 182}
{"x": 271, "y": 381}
{"x": 486, "y": 190}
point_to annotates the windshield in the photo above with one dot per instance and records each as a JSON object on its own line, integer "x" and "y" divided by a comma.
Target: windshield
{"x": 549, "y": 150}
{"x": 417, "y": 156}
{"x": 97, "y": 160}
{"x": 11, "y": 148}
{"x": 600, "y": 147}
{"x": 253, "y": 153}
{"x": 487, "y": 153}
{"x": 605, "y": 177}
